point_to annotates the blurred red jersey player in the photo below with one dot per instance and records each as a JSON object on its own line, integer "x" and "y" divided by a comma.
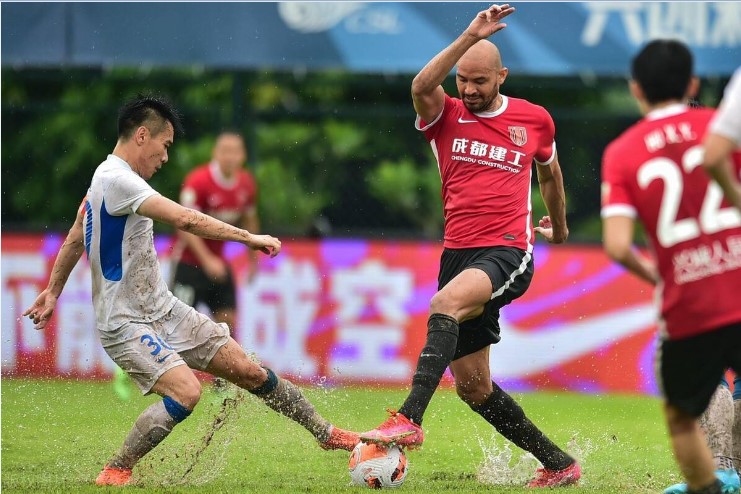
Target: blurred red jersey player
{"x": 224, "y": 189}
{"x": 653, "y": 173}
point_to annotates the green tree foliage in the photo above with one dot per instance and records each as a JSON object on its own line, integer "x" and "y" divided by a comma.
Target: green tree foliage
{"x": 411, "y": 191}
{"x": 333, "y": 144}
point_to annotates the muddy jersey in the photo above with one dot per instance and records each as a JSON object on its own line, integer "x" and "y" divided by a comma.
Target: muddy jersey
{"x": 127, "y": 284}
{"x": 485, "y": 161}
{"x": 653, "y": 172}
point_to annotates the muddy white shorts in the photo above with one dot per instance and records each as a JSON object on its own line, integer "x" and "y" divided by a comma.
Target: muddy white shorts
{"x": 183, "y": 336}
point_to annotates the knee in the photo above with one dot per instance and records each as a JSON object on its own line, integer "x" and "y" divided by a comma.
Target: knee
{"x": 189, "y": 394}
{"x": 473, "y": 392}
{"x": 441, "y": 303}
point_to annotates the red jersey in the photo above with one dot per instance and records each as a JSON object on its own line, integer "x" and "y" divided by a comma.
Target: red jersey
{"x": 653, "y": 171}
{"x": 485, "y": 161}
{"x": 207, "y": 190}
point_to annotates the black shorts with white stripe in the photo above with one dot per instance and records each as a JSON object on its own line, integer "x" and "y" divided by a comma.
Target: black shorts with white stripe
{"x": 510, "y": 271}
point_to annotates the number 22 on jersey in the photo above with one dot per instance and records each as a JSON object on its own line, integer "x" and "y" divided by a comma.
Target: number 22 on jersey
{"x": 712, "y": 217}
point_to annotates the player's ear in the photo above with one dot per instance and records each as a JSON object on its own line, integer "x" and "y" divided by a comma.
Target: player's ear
{"x": 635, "y": 90}
{"x": 502, "y": 75}
{"x": 140, "y": 135}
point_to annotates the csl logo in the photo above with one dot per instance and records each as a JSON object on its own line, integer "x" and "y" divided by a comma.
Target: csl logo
{"x": 354, "y": 17}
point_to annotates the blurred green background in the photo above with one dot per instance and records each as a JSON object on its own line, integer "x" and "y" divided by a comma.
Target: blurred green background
{"x": 326, "y": 144}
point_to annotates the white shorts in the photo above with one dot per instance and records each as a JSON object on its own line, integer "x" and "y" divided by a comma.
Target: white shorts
{"x": 147, "y": 350}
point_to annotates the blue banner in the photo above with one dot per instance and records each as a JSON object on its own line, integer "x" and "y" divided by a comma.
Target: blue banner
{"x": 542, "y": 38}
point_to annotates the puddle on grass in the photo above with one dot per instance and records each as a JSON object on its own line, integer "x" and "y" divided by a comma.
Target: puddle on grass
{"x": 505, "y": 465}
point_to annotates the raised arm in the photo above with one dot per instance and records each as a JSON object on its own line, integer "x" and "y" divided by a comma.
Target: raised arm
{"x": 69, "y": 254}
{"x": 162, "y": 209}
{"x": 553, "y": 227}
{"x": 427, "y": 92}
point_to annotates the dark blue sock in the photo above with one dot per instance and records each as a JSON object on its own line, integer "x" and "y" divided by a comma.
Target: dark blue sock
{"x": 177, "y": 411}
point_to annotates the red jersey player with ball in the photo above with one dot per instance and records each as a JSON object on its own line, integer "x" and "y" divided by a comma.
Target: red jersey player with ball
{"x": 653, "y": 173}
{"x": 486, "y": 145}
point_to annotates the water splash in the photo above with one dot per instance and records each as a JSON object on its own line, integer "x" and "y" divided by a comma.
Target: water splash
{"x": 501, "y": 466}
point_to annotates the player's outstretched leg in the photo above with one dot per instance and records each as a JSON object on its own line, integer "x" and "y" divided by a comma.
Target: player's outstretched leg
{"x": 403, "y": 428}
{"x": 154, "y": 424}
{"x": 284, "y": 397}
{"x": 279, "y": 394}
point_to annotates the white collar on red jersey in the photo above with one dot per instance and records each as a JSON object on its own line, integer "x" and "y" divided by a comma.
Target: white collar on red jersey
{"x": 498, "y": 111}
{"x": 220, "y": 178}
{"x": 667, "y": 111}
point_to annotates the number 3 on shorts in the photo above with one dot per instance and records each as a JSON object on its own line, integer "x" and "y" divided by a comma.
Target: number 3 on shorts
{"x": 158, "y": 345}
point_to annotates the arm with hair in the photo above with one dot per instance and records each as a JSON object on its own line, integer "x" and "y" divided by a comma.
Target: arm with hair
{"x": 251, "y": 222}
{"x": 427, "y": 92}
{"x": 213, "y": 265}
{"x": 67, "y": 258}
{"x": 162, "y": 209}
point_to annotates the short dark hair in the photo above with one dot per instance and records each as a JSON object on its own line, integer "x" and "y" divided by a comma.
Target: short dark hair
{"x": 151, "y": 111}
{"x": 663, "y": 69}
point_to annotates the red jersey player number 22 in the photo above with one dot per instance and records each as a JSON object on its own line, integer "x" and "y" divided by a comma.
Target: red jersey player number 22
{"x": 713, "y": 217}
{"x": 654, "y": 171}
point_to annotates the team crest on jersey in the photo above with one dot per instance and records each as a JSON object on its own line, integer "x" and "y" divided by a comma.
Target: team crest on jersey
{"x": 518, "y": 135}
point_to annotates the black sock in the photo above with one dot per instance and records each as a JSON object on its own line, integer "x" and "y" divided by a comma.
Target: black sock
{"x": 438, "y": 352}
{"x": 508, "y": 418}
{"x": 714, "y": 488}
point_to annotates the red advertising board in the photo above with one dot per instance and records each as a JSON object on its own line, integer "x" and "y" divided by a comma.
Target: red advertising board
{"x": 355, "y": 311}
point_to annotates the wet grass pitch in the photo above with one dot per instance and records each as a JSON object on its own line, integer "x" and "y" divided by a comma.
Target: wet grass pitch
{"x": 56, "y": 435}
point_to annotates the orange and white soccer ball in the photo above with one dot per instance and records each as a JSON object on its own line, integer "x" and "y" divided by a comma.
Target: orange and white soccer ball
{"x": 378, "y": 466}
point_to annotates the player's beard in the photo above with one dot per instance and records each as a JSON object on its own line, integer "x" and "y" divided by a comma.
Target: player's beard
{"x": 481, "y": 104}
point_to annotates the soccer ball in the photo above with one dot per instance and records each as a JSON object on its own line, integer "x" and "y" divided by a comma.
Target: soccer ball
{"x": 378, "y": 466}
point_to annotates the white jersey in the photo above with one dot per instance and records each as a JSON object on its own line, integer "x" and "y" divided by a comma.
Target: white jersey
{"x": 127, "y": 284}
{"x": 727, "y": 122}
